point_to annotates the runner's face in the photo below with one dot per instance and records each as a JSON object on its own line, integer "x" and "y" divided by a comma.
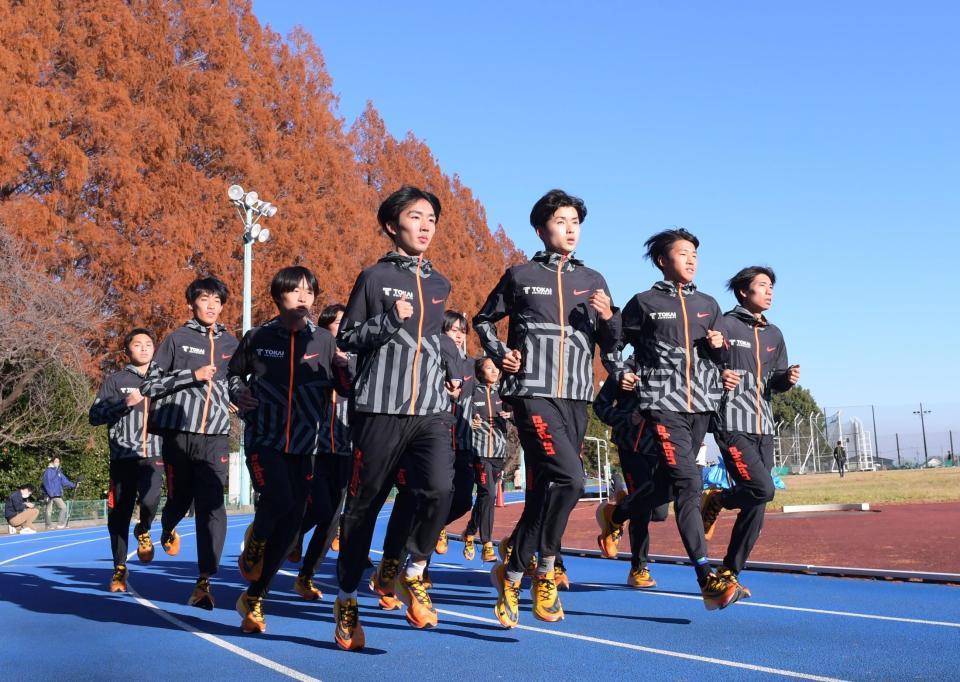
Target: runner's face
{"x": 459, "y": 334}
{"x": 680, "y": 262}
{"x": 297, "y": 303}
{"x": 491, "y": 374}
{"x": 206, "y": 308}
{"x": 759, "y": 297}
{"x": 562, "y": 231}
{"x": 415, "y": 228}
{"x": 140, "y": 350}
{"x": 334, "y": 327}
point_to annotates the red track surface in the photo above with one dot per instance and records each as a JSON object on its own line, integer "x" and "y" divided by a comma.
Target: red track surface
{"x": 911, "y": 537}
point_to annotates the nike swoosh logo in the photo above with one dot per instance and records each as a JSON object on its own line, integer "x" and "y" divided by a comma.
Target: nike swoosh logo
{"x": 702, "y": 315}
{"x": 436, "y": 302}
{"x": 224, "y": 460}
{"x": 311, "y": 356}
{"x": 580, "y": 292}
{"x": 468, "y": 378}
{"x": 770, "y": 350}
{"x": 224, "y": 356}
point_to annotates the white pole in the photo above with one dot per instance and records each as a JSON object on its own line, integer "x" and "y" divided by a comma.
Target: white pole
{"x": 247, "y": 295}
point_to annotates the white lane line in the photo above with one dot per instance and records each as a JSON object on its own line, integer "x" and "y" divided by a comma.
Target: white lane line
{"x": 50, "y": 535}
{"x": 222, "y": 643}
{"x": 802, "y": 609}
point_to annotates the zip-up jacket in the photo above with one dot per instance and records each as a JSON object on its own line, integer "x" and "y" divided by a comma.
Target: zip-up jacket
{"x": 180, "y": 402}
{"x": 54, "y": 481}
{"x": 401, "y": 366}
{"x": 553, "y": 327}
{"x": 462, "y": 433}
{"x": 758, "y": 354}
{"x": 667, "y": 328}
{"x": 128, "y": 426}
{"x": 490, "y": 438}
{"x": 615, "y": 408}
{"x": 291, "y": 374}
{"x": 337, "y": 437}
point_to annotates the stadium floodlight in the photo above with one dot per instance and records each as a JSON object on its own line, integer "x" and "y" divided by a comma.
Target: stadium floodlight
{"x": 251, "y": 198}
{"x": 270, "y": 210}
{"x": 255, "y": 230}
{"x": 235, "y": 192}
{"x": 264, "y": 235}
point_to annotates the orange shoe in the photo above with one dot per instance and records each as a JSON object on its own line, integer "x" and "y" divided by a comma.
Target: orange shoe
{"x": 335, "y": 545}
{"x": 719, "y": 593}
{"x": 470, "y": 547}
{"x": 711, "y": 504}
{"x": 560, "y": 574}
{"x": 504, "y": 549}
{"x": 145, "y": 549}
{"x": 507, "y": 607}
{"x": 641, "y": 578}
{"x": 546, "y": 600}
{"x": 118, "y": 583}
{"x": 413, "y": 593}
{"x": 250, "y": 560}
{"x": 202, "y": 596}
{"x": 489, "y": 554}
{"x": 383, "y": 582}
{"x": 170, "y": 542}
{"x": 251, "y": 610}
{"x": 348, "y": 633}
{"x": 442, "y": 543}
{"x": 728, "y": 574}
{"x": 610, "y": 532}
{"x": 306, "y": 588}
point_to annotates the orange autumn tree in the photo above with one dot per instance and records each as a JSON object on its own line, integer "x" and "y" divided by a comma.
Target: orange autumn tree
{"x": 124, "y": 123}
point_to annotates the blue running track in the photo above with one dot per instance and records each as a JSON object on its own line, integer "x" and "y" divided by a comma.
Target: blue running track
{"x": 60, "y": 621}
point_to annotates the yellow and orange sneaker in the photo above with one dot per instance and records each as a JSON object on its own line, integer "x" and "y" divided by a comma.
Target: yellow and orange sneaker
{"x": 413, "y": 593}
{"x": 335, "y": 545}
{"x": 641, "y": 578}
{"x": 348, "y": 633}
{"x": 251, "y": 611}
{"x": 202, "y": 596}
{"x": 383, "y": 583}
{"x": 170, "y": 542}
{"x": 560, "y": 574}
{"x": 145, "y": 549}
{"x": 711, "y": 504}
{"x": 306, "y": 588}
{"x": 489, "y": 554}
{"x": 546, "y": 600}
{"x": 610, "y": 532}
{"x": 469, "y": 547}
{"x": 719, "y": 593}
{"x": 250, "y": 560}
{"x": 505, "y": 549}
{"x": 728, "y": 574}
{"x": 118, "y": 583}
{"x": 507, "y": 607}
{"x": 442, "y": 543}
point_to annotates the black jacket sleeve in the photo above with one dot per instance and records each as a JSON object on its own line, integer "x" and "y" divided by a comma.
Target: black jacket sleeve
{"x": 494, "y": 309}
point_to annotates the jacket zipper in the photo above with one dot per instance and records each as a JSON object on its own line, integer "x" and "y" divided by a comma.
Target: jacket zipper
{"x": 146, "y": 414}
{"x": 563, "y": 327}
{"x": 206, "y": 402}
{"x": 286, "y": 448}
{"x": 686, "y": 336}
{"x": 756, "y": 337}
{"x": 416, "y": 355}
{"x": 490, "y": 421}
{"x": 333, "y": 419}
{"x": 636, "y": 443}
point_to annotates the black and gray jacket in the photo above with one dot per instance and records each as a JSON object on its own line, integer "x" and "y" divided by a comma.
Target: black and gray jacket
{"x": 292, "y": 376}
{"x": 490, "y": 438}
{"x": 553, "y": 327}
{"x": 616, "y": 408}
{"x": 337, "y": 437}
{"x": 462, "y": 433}
{"x": 667, "y": 328}
{"x": 401, "y": 367}
{"x": 180, "y": 402}
{"x": 128, "y": 426}
{"x": 758, "y": 354}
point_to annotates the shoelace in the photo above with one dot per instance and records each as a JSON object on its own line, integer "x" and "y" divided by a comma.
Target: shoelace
{"x": 144, "y": 540}
{"x": 727, "y": 575}
{"x": 255, "y": 607}
{"x": 546, "y": 589}
{"x": 119, "y": 574}
{"x": 443, "y": 535}
{"x": 511, "y": 592}
{"x": 256, "y": 551}
{"x": 308, "y": 583}
{"x": 203, "y": 584}
{"x": 348, "y": 615}
{"x": 389, "y": 569}
{"x": 419, "y": 592}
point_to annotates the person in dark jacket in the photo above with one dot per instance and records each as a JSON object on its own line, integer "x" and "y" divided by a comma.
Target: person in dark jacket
{"x": 53, "y": 482}
{"x": 282, "y": 378}
{"x": 20, "y": 512}
{"x": 187, "y": 384}
{"x": 402, "y": 420}
{"x": 674, "y": 331}
{"x": 559, "y": 312}
{"x": 136, "y": 468}
{"x": 758, "y": 364}
{"x": 840, "y": 457}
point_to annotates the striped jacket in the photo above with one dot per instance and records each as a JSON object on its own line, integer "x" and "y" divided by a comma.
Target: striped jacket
{"x": 617, "y": 409}
{"x": 337, "y": 437}
{"x": 462, "y": 432}
{"x": 180, "y": 402}
{"x": 667, "y": 328}
{"x": 553, "y": 327}
{"x": 401, "y": 367}
{"x": 758, "y": 354}
{"x": 128, "y": 433}
{"x": 292, "y": 376}
{"x": 490, "y": 438}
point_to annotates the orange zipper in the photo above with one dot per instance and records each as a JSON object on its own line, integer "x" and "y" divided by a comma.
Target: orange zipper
{"x": 636, "y": 443}
{"x": 756, "y": 337}
{"x": 333, "y": 419}
{"x": 286, "y": 448}
{"x": 416, "y": 355}
{"x": 686, "y": 335}
{"x": 563, "y": 328}
{"x": 146, "y": 413}
{"x": 490, "y": 420}
{"x": 206, "y": 402}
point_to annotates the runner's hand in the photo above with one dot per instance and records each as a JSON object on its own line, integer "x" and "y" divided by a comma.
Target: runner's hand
{"x": 512, "y": 362}
{"x": 404, "y": 308}
{"x": 793, "y": 374}
{"x": 731, "y": 379}
{"x": 205, "y": 373}
{"x": 628, "y": 382}
{"x": 714, "y": 339}
{"x": 134, "y": 397}
{"x": 600, "y": 302}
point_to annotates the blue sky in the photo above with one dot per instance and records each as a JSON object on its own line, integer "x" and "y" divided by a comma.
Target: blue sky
{"x": 818, "y": 138}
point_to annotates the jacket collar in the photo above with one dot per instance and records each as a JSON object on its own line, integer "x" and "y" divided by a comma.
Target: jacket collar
{"x": 408, "y": 263}
{"x": 277, "y": 326}
{"x": 749, "y": 318}
{"x": 551, "y": 259}
{"x": 135, "y": 371}
{"x": 218, "y": 328}
{"x": 671, "y": 287}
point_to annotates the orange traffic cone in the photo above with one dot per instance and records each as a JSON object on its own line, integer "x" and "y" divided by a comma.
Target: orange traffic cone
{"x": 499, "y": 501}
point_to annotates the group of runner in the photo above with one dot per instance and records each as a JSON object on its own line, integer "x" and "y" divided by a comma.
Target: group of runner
{"x": 381, "y": 394}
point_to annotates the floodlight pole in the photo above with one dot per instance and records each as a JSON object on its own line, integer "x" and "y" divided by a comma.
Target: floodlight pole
{"x": 923, "y": 429}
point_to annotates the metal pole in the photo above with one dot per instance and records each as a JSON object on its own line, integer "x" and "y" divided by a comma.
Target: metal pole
{"x": 953, "y": 453}
{"x": 876, "y": 443}
{"x": 897, "y": 436}
{"x": 247, "y": 297}
{"x": 923, "y": 429}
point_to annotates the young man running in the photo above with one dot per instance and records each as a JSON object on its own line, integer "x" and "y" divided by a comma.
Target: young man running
{"x": 619, "y": 409}
{"x": 136, "y": 469}
{"x": 402, "y": 414}
{"x": 674, "y": 330}
{"x": 332, "y": 470}
{"x": 281, "y": 379}
{"x": 187, "y": 384}
{"x": 489, "y": 425}
{"x": 758, "y": 364}
{"x": 559, "y": 312}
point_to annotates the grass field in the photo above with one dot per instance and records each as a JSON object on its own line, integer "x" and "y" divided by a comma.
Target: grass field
{"x": 875, "y": 487}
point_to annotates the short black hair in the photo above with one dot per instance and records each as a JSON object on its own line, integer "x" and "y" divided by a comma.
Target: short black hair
{"x": 548, "y": 204}
{"x": 659, "y": 244}
{"x": 329, "y": 314}
{"x": 207, "y": 285}
{"x": 743, "y": 279}
{"x": 451, "y": 317}
{"x": 137, "y": 331}
{"x": 396, "y": 203}
{"x": 287, "y": 279}
{"x": 478, "y": 365}
{"x": 27, "y": 486}
{"x": 53, "y": 457}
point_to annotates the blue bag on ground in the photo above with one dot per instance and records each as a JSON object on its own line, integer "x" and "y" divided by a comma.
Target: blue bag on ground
{"x": 715, "y": 476}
